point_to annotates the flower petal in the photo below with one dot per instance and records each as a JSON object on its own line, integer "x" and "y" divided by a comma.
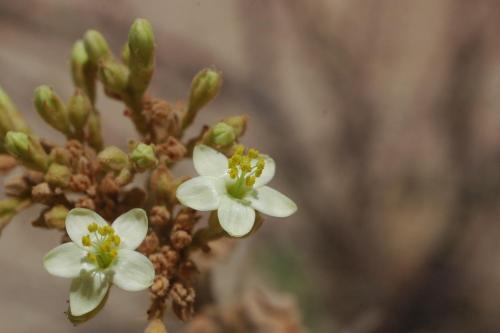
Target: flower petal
{"x": 64, "y": 260}
{"x": 267, "y": 173}
{"x": 78, "y": 220}
{"x": 209, "y": 162}
{"x": 87, "y": 291}
{"x": 201, "y": 193}
{"x": 133, "y": 271}
{"x": 234, "y": 217}
{"x": 271, "y": 202}
{"x": 132, "y": 228}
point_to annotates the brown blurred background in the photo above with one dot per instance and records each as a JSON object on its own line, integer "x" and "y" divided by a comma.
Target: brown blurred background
{"x": 384, "y": 119}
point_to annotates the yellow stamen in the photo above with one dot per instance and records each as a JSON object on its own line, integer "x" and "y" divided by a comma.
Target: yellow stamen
{"x": 250, "y": 181}
{"x": 92, "y": 227}
{"x": 253, "y": 153}
{"x": 103, "y": 231}
{"x": 240, "y": 149}
{"x": 116, "y": 240}
{"x": 86, "y": 240}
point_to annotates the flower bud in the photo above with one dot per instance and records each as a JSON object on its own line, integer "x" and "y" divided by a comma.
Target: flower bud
{"x": 51, "y": 109}
{"x": 223, "y": 134}
{"x": 96, "y": 46}
{"x": 7, "y": 162}
{"x": 141, "y": 45}
{"x": 238, "y": 123}
{"x": 114, "y": 77}
{"x": 124, "y": 177}
{"x": 113, "y": 158}
{"x": 27, "y": 150}
{"x": 58, "y": 175}
{"x": 143, "y": 157}
{"x": 10, "y": 118}
{"x": 94, "y": 130}
{"x": 79, "y": 108}
{"x": 204, "y": 88}
{"x": 56, "y": 217}
{"x": 125, "y": 54}
{"x": 83, "y": 72}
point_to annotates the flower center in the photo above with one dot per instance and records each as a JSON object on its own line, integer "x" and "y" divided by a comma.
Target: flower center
{"x": 102, "y": 244}
{"x": 244, "y": 169}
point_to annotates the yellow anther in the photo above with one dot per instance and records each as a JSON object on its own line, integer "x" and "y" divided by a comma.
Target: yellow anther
{"x": 261, "y": 163}
{"x": 86, "y": 240}
{"x": 91, "y": 257}
{"x": 253, "y": 153}
{"x": 258, "y": 172}
{"x": 92, "y": 227}
{"x": 116, "y": 240}
{"x": 102, "y": 231}
{"x": 113, "y": 253}
{"x": 233, "y": 172}
{"x": 106, "y": 246}
{"x": 245, "y": 165}
{"x": 240, "y": 149}
{"x": 250, "y": 181}
{"x": 110, "y": 230}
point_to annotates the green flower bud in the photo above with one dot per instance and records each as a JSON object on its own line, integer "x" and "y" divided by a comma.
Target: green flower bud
{"x": 83, "y": 72}
{"x": 79, "y": 108}
{"x": 125, "y": 54}
{"x": 143, "y": 157}
{"x": 238, "y": 123}
{"x": 113, "y": 158}
{"x": 204, "y": 88}
{"x": 223, "y": 134}
{"x": 58, "y": 175}
{"x": 56, "y": 217}
{"x": 114, "y": 77}
{"x": 141, "y": 45}
{"x": 124, "y": 177}
{"x": 96, "y": 46}
{"x": 51, "y": 109}
{"x": 10, "y": 118}
{"x": 94, "y": 130}
{"x": 27, "y": 150}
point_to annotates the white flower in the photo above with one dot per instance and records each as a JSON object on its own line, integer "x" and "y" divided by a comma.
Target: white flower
{"x": 100, "y": 255}
{"x": 235, "y": 187}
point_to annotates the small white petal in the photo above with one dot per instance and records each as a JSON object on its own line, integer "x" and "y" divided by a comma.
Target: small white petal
{"x": 235, "y": 218}
{"x": 64, "y": 260}
{"x": 78, "y": 220}
{"x": 271, "y": 202}
{"x": 133, "y": 271}
{"x": 209, "y": 162}
{"x": 132, "y": 228}
{"x": 87, "y": 291}
{"x": 201, "y": 193}
{"x": 267, "y": 173}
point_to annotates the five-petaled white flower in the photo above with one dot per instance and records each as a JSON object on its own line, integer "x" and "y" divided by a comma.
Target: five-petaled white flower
{"x": 235, "y": 187}
{"x": 100, "y": 255}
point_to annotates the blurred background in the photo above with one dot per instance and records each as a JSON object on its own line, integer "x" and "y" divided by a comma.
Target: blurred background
{"x": 383, "y": 117}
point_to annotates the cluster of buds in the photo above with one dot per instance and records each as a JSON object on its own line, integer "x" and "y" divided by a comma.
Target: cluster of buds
{"x": 84, "y": 173}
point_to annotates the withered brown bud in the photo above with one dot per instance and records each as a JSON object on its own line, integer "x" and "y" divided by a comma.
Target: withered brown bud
{"x": 180, "y": 239}
{"x": 182, "y": 300}
{"x": 41, "y": 193}
{"x": 170, "y": 254}
{"x": 56, "y": 216}
{"x": 80, "y": 182}
{"x": 7, "y": 162}
{"x": 17, "y": 187}
{"x": 86, "y": 202}
{"x": 159, "y": 216}
{"x": 150, "y": 244}
{"x": 160, "y": 286}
